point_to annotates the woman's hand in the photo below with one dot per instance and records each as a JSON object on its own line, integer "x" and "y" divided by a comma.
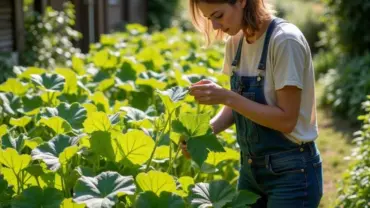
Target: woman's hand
{"x": 184, "y": 148}
{"x": 209, "y": 93}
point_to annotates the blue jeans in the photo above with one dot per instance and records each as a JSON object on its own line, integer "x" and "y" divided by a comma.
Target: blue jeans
{"x": 286, "y": 179}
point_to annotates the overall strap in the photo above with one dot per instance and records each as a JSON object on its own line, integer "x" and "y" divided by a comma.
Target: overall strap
{"x": 270, "y": 30}
{"x": 238, "y": 53}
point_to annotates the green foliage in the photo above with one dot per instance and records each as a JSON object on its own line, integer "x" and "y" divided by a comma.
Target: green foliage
{"x": 345, "y": 29}
{"x": 6, "y": 66}
{"x": 49, "y": 37}
{"x": 105, "y": 132}
{"x": 304, "y": 14}
{"x": 161, "y": 13}
{"x": 347, "y": 86}
{"x": 354, "y": 191}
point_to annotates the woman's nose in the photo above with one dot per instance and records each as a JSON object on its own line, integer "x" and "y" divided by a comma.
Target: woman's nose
{"x": 216, "y": 25}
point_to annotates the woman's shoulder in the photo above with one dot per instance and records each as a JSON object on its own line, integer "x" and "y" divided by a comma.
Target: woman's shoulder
{"x": 288, "y": 31}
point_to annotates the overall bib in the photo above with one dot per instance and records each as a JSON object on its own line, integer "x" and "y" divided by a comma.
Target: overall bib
{"x": 284, "y": 173}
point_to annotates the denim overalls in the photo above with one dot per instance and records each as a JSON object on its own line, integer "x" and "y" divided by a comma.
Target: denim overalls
{"x": 285, "y": 174}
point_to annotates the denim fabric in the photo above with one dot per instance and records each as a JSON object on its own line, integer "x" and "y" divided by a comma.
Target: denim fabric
{"x": 283, "y": 173}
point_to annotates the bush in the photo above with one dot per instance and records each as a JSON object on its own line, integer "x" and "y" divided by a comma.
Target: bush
{"x": 161, "y": 13}
{"x": 6, "y": 66}
{"x": 49, "y": 37}
{"x": 347, "y": 86}
{"x": 354, "y": 191}
{"x": 345, "y": 23}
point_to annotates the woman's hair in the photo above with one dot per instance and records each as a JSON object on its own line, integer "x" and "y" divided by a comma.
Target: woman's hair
{"x": 255, "y": 12}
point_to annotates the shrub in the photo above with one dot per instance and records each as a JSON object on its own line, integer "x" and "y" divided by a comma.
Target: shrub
{"x": 354, "y": 191}
{"x": 347, "y": 86}
{"x": 49, "y": 37}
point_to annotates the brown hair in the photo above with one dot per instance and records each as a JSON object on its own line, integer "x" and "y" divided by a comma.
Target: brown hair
{"x": 255, "y": 12}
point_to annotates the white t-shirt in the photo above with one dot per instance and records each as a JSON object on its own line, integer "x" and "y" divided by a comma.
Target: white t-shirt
{"x": 289, "y": 62}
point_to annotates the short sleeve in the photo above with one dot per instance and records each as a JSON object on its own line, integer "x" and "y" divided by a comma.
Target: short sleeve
{"x": 289, "y": 64}
{"x": 227, "y": 58}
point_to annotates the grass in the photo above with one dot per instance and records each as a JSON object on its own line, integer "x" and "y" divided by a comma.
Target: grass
{"x": 334, "y": 143}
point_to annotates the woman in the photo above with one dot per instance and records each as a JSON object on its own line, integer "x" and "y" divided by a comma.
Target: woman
{"x": 271, "y": 101}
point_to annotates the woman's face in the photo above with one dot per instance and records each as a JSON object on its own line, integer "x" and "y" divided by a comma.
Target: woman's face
{"x": 224, "y": 16}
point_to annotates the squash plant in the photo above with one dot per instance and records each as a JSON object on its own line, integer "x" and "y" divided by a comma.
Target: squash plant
{"x": 105, "y": 133}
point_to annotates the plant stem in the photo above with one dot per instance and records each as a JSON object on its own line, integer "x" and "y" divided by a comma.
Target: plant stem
{"x": 158, "y": 138}
{"x": 173, "y": 160}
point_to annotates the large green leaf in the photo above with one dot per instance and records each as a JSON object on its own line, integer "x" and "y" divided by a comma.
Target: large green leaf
{"x": 156, "y": 182}
{"x": 70, "y": 77}
{"x": 216, "y": 194}
{"x": 3, "y": 130}
{"x": 135, "y": 146}
{"x": 11, "y": 159}
{"x": 10, "y": 103}
{"x": 14, "y": 86}
{"x": 50, "y": 151}
{"x": 16, "y": 143}
{"x": 58, "y": 124}
{"x": 199, "y": 147}
{"x": 101, "y": 102}
{"x": 192, "y": 125}
{"x": 6, "y": 192}
{"x": 50, "y": 82}
{"x": 35, "y": 197}
{"x": 149, "y": 199}
{"x": 137, "y": 117}
{"x": 102, "y": 144}
{"x": 215, "y": 158}
{"x": 68, "y": 203}
{"x": 171, "y": 98}
{"x": 97, "y": 121}
{"x": 31, "y": 104}
{"x": 74, "y": 114}
{"x": 27, "y": 72}
{"x": 101, "y": 191}
{"x": 20, "y": 122}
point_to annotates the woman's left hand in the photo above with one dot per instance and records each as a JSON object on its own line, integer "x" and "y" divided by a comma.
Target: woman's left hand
{"x": 209, "y": 93}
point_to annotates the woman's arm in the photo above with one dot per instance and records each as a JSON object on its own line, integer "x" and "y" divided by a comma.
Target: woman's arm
{"x": 282, "y": 117}
{"x": 223, "y": 120}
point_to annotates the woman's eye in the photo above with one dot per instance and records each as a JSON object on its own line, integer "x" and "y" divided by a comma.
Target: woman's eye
{"x": 220, "y": 16}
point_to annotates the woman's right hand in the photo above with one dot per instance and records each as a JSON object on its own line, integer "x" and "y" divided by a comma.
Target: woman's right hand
{"x": 184, "y": 148}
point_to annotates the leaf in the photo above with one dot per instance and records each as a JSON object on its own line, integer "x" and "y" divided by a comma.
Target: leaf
{"x": 35, "y": 197}
{"x": 171, "y": 98}
{"x": 50, "y": 151}
{"x": 6, "y": 192}
{"x": 97, "y": 121}
{"x": 58, "y": 124}
{"x": 101, "y": 102}
{"x": 156, "y": 182}
{"x": 105, "y": 84}
{"x": 29, "y": 71}
{"x": 162, "y": 154}
{"x": 16, "y": 143}
{"x": 67, "y": 154}
{"x": 50, "y": 82}
{"x": 74, "y": 114}
{"x": 214, "y": 158}
{"x": 20, "y": 122}
{"x": 11, "y": 159}
{"x": 78, "y": 65}
{"x": 153, "y": 83}
{"x": 14, "y": 86}
{"x": 101, "y": 191}
{"x": 3, "y": 130}
{"x": 70, "y": 77}
{"x": 68, "y": 203}
{"x": 135, "y": 146}
{"x": 31, "y": 104}
{"x": 192, "y": 125}
{"x": 216, "y": 194}
{"x": 101, "y": 143}
{"x": 137, "y": 117}
{"x": 199, "y": 147}
{"x": 186, "y": 182}
{"x": 33, "y": 143}
{"x": 148, "y": 199}
{"x": 10, "y": 103}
